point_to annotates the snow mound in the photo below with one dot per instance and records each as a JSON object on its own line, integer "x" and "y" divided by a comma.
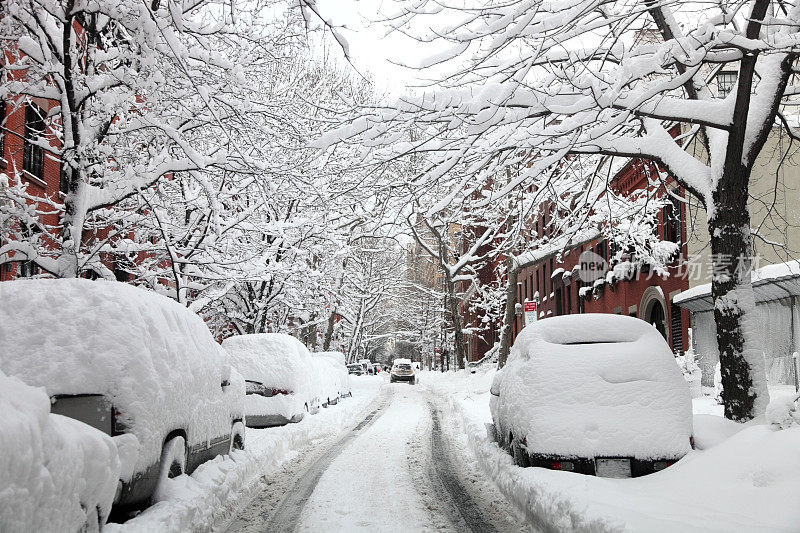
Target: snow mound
{"x": 595, "y": 385}
{"x": 784, "y": 412}
{"x": 55, "y": 472}
{"x": 154, "y": 360}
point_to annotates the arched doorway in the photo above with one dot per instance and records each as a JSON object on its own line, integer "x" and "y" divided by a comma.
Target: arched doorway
{"x": 653, "y": 309}
{"x": 657, "y": 317}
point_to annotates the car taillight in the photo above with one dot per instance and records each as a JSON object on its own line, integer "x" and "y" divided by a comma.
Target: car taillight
{"x": 275, "y": 392}
{"x": 118, "y": 427}
{"x": 563, "y": 465}
{"x": 661, "y": 465}
{"x": 691, "y": 441}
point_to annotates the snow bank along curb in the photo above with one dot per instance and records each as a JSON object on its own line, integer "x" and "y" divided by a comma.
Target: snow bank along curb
{"x": 213, "y": 491}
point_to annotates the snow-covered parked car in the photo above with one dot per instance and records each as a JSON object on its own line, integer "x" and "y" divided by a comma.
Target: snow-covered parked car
{"x": 595, "y": 394}
{"x": 131, "y": 363}
{"x": 280, "y": 377}
{"x": 56, "y": 473}
{"x": 333, "y": 362}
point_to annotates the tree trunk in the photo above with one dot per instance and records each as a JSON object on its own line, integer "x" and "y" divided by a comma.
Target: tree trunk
{"x": 458, "y": 336}
{"x": 326, "y": 344}
{"x": 507, "y": 332}
{"x": 742, "y": 365}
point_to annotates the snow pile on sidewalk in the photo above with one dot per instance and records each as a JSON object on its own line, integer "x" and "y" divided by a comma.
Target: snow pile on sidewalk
{"x": 217, "y": 488}
{"x": 55, "y": 473}
{"x": 749, "y": 481}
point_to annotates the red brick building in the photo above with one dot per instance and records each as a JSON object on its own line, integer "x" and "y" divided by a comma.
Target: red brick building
{"x": 554, "y": 278}
{"x": 640, "y": 292}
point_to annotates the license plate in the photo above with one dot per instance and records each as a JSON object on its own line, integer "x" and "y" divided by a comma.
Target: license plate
{"x": 616, "y": 468}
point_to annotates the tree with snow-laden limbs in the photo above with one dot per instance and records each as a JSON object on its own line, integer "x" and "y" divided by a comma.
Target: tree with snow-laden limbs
{"x": 532, "y": 82}
{"x": 127, "y": 93}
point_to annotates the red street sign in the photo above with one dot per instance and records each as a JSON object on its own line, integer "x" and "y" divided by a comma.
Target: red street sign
{"x": 530, "y": 307}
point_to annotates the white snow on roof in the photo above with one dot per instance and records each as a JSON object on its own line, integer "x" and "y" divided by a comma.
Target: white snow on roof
{"x": 558, "y": 244}
{"x": 763, "y": 274}
{"x": 596, "y": 384}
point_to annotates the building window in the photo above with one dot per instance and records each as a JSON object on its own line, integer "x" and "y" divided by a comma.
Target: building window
{"x": 63, "y": 182}
{"x": 33, "y": 154}
{"x": 27, "y": 269}
{"x": 559, "y": 303}
{"x": 671, "y": 215}
{"x": 569, "y": 300}
{"x": 726, "y": 80}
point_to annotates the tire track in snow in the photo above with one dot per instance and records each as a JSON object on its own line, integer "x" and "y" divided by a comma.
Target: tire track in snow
{"x": 286, "y": 516}
{"x": 463, "y": 504}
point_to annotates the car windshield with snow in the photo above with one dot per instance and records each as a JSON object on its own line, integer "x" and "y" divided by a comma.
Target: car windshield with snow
{"x": 131, "y": 363}
{"x": 595, "y": 394}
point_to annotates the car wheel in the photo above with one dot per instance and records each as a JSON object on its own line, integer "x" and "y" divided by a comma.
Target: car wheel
{"x": 173, "y": 464}
{"x": 237, "y": 437}
{"x": 520, "y": 456}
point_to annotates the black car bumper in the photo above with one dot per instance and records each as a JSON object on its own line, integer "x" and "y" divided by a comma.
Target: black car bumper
{"x": 396, "y": 377}
{"x": 583, "y": 465}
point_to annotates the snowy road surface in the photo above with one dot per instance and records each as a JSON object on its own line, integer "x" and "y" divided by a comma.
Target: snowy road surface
{"x": 397, "y": 469}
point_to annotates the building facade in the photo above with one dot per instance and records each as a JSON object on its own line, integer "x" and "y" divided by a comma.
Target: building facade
{"x": 552, "y": 279}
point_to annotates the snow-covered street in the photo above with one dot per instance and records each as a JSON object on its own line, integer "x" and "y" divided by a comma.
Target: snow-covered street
{"x": 313, "y": 266}
{"x": 392, "y": 471}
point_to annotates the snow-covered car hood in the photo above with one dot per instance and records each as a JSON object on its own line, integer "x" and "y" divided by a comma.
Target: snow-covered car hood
{"x": 617, "y": 392}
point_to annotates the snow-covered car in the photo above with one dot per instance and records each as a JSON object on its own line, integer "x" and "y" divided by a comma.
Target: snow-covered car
{"x": 131, "y": 363}
{"x": 403, "y": 370}
{"x": 280, "y": 377}
{"x": 356, "y": 369}
{"x": 338, "y": 371}
{"x": 56, "y": 473}
{"x": 595, "y": 394}
{"x": 326, "y": 384}
{"x": 367, "y": 364}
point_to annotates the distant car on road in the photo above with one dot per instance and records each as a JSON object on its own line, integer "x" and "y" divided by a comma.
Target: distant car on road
{"x": 594, "y": 394}
{"x": 134, "y": 364}
{"x": 280, "y": 377}
{"x": 357, "y": 369}
{"x": 403, "y": 370}
{"x": 367, "y": 364}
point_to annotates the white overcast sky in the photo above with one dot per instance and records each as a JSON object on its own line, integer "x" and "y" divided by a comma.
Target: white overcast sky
{"x": 370, "y": 50}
